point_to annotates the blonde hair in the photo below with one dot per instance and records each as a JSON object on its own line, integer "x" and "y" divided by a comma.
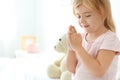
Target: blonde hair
{"x": 101, "y": 6}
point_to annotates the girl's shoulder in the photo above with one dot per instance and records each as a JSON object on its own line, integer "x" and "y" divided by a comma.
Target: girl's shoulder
{"x": 109, "y": 35}
{"x": 110, "y": 41}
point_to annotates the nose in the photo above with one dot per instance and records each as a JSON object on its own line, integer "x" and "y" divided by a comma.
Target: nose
{"x": 82, "y": 20}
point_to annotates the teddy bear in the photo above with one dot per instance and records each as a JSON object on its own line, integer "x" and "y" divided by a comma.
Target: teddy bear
{"x": 58, "y": 69}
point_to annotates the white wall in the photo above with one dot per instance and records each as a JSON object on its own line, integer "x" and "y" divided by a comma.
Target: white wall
{"x": 57, "y": 17}
{"x": 115, "y": 4}
{"x": 48, "y": 19}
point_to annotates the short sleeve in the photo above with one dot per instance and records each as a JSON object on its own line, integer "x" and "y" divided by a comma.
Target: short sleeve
{"x": 111, "y": 42}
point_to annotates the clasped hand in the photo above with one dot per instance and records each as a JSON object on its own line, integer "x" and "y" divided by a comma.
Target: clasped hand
{"x": 74, "y": 38}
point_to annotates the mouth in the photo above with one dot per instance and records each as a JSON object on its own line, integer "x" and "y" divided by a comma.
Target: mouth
{"x": 85, "y": 26}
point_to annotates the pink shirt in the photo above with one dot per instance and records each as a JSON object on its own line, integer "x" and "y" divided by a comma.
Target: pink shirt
{"x": 108, "y": 41}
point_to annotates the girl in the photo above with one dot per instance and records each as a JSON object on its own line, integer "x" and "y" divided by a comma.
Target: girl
{"x": 93, "y": 55}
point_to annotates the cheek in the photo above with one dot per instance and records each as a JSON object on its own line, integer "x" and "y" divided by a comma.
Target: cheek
{"x": 94, "y": 22}
{"x": 97, "y": 20}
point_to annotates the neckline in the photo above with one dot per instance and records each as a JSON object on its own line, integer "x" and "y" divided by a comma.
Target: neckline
{"x": 90, "y": 42}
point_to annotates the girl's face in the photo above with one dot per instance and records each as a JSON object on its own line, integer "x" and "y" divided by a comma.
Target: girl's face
{"x": 89, "y": 20}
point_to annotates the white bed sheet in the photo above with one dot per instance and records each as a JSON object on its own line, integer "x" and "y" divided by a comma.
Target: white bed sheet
{"x": 30, "y": 67}
{"x": 25, "y": 68}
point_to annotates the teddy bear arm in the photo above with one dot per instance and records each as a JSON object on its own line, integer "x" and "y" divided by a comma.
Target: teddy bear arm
{"x": 58, "y": 62}
{"x": 53, "y": 71}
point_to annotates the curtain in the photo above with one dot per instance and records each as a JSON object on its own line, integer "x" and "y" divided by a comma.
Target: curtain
{"x": 18, "y": 18}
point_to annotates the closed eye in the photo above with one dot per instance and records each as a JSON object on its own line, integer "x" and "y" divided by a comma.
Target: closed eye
{"x": 88, "y": 15}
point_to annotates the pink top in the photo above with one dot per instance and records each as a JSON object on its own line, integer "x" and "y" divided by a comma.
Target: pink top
{"x": 108, "y": 41}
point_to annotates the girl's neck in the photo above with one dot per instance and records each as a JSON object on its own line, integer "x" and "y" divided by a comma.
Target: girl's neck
{"x": 92, "y": 36}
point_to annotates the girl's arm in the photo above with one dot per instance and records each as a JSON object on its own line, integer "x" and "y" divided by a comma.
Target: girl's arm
{"x": 99, "y": 65}
{"x": 71, "y": 61}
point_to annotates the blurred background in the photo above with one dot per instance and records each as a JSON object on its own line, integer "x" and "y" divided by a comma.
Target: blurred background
{"x": 45, "y": 19}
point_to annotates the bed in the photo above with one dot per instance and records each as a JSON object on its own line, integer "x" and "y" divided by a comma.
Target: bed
{"x": 27, "y": 67}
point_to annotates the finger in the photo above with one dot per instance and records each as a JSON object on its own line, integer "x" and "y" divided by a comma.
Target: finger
{"x": 69, "y": 32}
{"x": 68, "y": 39}
{"x": 72, "y": 29}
